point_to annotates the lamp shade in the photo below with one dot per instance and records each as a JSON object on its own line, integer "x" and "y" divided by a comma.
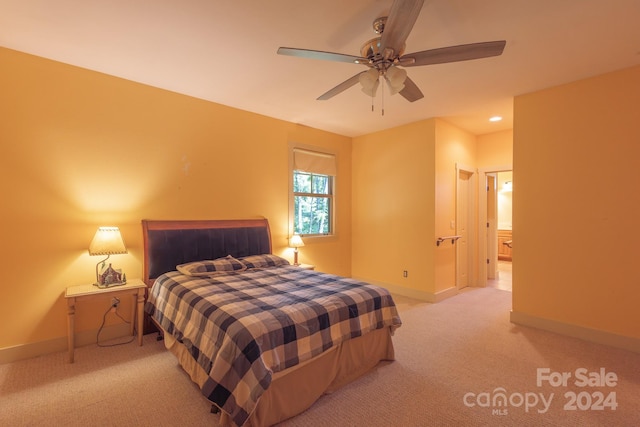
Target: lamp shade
{"x": 369, "y": 80}
{"x": 107, "y": 241}
{"x": 296, "y": 241}
{"x": 395, "y": 78}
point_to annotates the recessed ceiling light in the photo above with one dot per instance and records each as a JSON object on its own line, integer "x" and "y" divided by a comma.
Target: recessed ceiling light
{"x": 495, "y": 119}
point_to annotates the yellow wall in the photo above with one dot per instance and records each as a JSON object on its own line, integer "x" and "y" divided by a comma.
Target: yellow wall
{"x": 404, "y": 186}
{"x": 576, "y": 208}
{"x": 393, "y": 211}
{"x": 495, "y": 150}
{"x": 80, "y": 149}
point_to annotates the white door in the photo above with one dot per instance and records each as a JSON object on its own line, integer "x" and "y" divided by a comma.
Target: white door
{"x": 464, "y": 218}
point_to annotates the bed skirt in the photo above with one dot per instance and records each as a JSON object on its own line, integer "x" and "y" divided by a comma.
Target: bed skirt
{"x": 294, "y": 390}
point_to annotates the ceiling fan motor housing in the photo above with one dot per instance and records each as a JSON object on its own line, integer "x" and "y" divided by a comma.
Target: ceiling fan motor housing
{"x": 371, "y": 51}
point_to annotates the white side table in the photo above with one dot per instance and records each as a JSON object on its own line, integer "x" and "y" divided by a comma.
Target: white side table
{"x": 135, "y": 288}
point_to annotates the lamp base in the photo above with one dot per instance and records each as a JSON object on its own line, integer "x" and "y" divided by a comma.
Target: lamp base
{"x": 109, "y": 276}
{"x": 109, "y": 285}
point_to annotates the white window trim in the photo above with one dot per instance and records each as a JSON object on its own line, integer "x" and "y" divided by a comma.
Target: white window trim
{"x": 334, "y": 221}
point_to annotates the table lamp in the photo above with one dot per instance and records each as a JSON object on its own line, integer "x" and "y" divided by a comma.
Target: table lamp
{"x": 296, "y": 242}
{"x": 108, "y": 241}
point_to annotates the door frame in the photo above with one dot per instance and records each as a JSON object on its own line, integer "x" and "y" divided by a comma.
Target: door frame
{"x": 492, "y": 227}
{"x": 482, "y": 219}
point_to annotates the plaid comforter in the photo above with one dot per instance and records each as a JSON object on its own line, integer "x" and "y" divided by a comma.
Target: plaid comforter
{"x": 241, "y": 327}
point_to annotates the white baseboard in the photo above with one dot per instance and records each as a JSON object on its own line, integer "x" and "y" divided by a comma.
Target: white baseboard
{"x": 35, "y": 349}
{"x": 447, "y": 293}
{"x": 575, "y": 331}
{"x": 414, "y": 293}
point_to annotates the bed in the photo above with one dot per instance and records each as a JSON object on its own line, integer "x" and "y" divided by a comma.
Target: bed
{"x": 263, "y": 339}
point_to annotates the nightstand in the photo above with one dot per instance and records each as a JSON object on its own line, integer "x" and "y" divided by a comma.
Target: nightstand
{"x": 134, "y": 288}
{"x": 306, "y": 266}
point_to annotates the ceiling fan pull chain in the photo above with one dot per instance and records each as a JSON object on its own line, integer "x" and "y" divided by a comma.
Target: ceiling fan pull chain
{"x": 382, "y": 99}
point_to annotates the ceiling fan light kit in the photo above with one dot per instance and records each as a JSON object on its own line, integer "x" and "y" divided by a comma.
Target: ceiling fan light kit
{"x": 369, "y": 80}
{"x": 385, "y": 54}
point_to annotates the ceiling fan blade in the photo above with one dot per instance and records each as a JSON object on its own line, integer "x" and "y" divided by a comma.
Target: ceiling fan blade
{"x": 341, "y": 87}
{"x": 402, "y": 17}
{"x": 411, "y": 92}
{"x": 453, "y": 54}
{"x": 325, "y": 56}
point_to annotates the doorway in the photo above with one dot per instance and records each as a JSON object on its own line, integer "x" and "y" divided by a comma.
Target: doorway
{"x": 504, "y": 202}
{"x": 494, "y": 206}
{"x": 492, "y": 225}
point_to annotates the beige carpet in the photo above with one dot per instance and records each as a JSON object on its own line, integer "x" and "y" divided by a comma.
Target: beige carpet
{"x": 464, "y": 346}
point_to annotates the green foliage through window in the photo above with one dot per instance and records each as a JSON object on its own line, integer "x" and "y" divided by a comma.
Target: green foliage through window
{"x": 313, "y": 203}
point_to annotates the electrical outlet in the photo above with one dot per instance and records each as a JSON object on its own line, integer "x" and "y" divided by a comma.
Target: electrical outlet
{"x": 114, "y": 302}
{"x": 405, "y": 273}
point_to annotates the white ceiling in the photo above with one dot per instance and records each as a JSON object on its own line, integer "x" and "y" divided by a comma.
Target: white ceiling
{"x": 225, "y": 51}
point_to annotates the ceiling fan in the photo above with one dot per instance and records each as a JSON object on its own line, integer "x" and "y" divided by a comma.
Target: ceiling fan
{"x": 384, "y": 55}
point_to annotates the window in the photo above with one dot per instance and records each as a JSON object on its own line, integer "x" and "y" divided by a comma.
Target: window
{"x": 312, "y": 203}
{"x": 313, "y": 206}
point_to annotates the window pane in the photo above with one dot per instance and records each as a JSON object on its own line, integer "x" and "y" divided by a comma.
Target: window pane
{"x": 312, "y": 215}
{"x": 320, "y": 184}
{"x": 301, "y": 182}
{"x": 320, "y": 216}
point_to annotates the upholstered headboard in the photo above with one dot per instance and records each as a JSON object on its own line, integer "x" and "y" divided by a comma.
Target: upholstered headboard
{"x": 170, "y": 243}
